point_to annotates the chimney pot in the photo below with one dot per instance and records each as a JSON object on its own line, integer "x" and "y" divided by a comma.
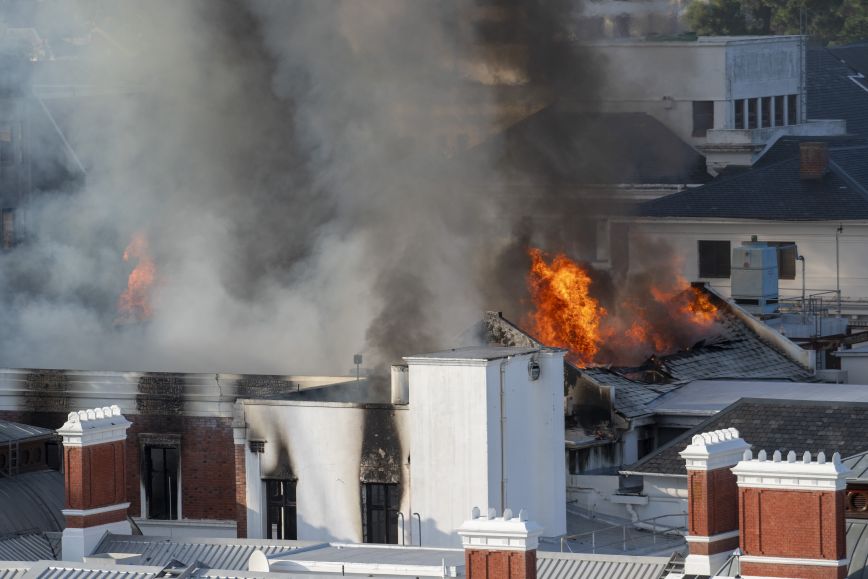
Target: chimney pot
{"x": 762, "y": 456}
{"x": 813, "y": 160}
{"x": 777, "y": 456}
{"x": 806, "y": 458}
{"x": 821, "y": 457}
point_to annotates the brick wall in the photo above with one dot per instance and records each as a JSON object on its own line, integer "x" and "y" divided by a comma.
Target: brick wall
{"x": 240, "y": 492}
{"x": 801, "y": 571}
{"x": 207, "y": 459}
{"x": 94, "y": 475}
{"x": 500, "y": 564}
{"x": 712, "y": 502}
{"x": 791, "y": 523}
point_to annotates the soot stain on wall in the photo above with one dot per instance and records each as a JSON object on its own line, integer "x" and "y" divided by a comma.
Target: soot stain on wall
{"x": 46, "y": 398}
{"x": 160, "y": 394}
{"x": 381, "y": 459}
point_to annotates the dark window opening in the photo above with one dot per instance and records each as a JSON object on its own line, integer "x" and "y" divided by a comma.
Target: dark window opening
{"x": 161, "y": 479}
{"x": 786, "y": 258}
{"x": 281, "y": 509}
{"x": 767, "y": 111}
{"x": 54, "y": 455}
{"x": 621, "y": 28}
{"x": 779, "y": 111}
{"x": 703, "y": 117}
{"x": 714, "y": 259}
{"x": 792, "y": 109}
{"x": 380, "y": 504}
{"x": 7, "y": 228}
{"x": 7, "y": 147}
{"x": 739, "y": 114}
{"x": 752, "y": 119}
{"x": 646, "y": 446}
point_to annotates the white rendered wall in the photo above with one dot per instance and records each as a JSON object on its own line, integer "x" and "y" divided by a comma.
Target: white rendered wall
{"x": 815, "y": 240}
{"x": 456, "y": 442}
{"x": 856, "y": 368}
{"x": 323, "y": 443}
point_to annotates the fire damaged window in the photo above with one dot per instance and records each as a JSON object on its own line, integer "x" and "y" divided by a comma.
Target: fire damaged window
{"x": 380, "y": 504}
{"x": 281, "y": 509}
{"x": 752, "y": 118}
{"x": 161, "y": 482}
{"x": 703, "y": 117}
{"x": 714, "y": 259}
{"x": 766, "y": 111}
{"x": 786, "y": 258}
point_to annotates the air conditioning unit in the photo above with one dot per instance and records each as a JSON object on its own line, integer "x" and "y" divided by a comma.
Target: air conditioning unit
{"x": 755, "y": 277}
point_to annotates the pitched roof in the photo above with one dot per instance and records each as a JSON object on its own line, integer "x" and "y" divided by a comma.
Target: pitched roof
{"x": 855, "y": 55}
{"x": 832, "y": 94}
{"x": 857, "y": 548}
{"x": 567, "y": 147}
{"x": 776, "y": 192}
{"x": 14, "y": 431}
{"x": 773, "y": 425}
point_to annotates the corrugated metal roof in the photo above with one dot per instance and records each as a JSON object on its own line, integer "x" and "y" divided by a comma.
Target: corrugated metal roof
{"x": 227, "y": 554}
{"x": 12, "y": 431}
{"x": 31, "y": 502}
{"x": 69, "y": 572}
{"x": 857, "y": 548}
{"x": 858, "y": 463}
{"x": 13, "y": 572}
{"x": 569, "y": 566}
{"x": 29, "y": 547}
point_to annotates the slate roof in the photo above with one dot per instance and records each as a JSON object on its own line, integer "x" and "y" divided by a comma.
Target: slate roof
{"x": 561, "y": 146}
{"x": 31, "y": 502}
{"x": 732, "y": 350}
{"x": 769, "y": 424}
{"x": 855, "y": 55}
{"x": 831, "y": 93}
{"x": 776, "y": 192}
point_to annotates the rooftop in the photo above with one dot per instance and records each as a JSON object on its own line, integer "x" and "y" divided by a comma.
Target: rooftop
{"x": 772, "y": 424}
{"x": 31, "y": 502}
{"x": 775, "y": 191}
{"x": 560, "y": 146}
{"x": 834, "y": 89}
{"x": 480, "y": 353}
{"x": 16, "y": 432}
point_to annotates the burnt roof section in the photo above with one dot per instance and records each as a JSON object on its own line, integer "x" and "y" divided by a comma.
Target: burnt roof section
{"x": 560, "y": 146}
{"x": 16, "y": 432}
{"x": 775, "y": 191}
{"x": 834, "y": 91}
{"x": 732, "y": 350}
{"x": 769, "y": 424}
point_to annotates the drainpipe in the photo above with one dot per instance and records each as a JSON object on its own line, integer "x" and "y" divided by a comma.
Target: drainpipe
{"x": 502, "y": 436}
{"x": 838, "y": 233}
{"x": 804, "y": 304}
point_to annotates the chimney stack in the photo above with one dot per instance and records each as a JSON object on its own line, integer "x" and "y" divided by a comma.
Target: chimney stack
{"x": 791, "y": 515}
{"x": 500, "y": 547}
{"x": 813, "y": 160}
{"x": 712, "y": 499}
{"x": 94, "y": 451}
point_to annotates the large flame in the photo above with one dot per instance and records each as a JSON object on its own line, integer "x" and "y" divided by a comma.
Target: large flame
{"x": 134, "y": 305}
{"x": 654, "y": 317}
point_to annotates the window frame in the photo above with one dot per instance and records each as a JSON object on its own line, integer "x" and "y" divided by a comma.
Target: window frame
{"x": 166, "y": 442}
{"x": 389, "y": 531}
{"x": 286, "y": 502}
{"x": 717, "y": 272}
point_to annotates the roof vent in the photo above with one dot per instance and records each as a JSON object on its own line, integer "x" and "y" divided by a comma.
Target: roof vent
{"x": 813, "y": 160}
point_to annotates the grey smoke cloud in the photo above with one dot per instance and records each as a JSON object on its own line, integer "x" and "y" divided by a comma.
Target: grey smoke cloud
{"x": 284, "y": 159}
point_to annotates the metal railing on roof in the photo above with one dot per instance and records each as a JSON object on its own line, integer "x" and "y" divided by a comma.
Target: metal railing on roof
{"x": 639, "y": 534}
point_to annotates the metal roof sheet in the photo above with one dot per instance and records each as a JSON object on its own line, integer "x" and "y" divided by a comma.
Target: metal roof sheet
{"x": 226, "y": 554}
{"x": 29, "y": 547}
{"x": 568, "y": 566}
{"x": 31, "y": 502}
{"x": 380, "y": 554}
{"x": 857, "y": 548}
{"x": 15, "y": 431}
{"x": 13, "y": 572}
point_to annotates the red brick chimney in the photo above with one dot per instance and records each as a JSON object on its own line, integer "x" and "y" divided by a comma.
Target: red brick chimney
{"x": 791, "y": 515}
{"x": 94, "y": 452}
{"x": 813, "y": 160}
{"x": 500, "y": 547}
{"x": 712, "y": 499}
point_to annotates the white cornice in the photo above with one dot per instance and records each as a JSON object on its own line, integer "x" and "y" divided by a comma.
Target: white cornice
{"x": 97, "y": 511}
{"x": 791, "y": 474}
{"x": 712, "y": 538}
{"x": 714, "y": 450}
{"x": 94, "y": 426}
{"x": 794, "y": 561}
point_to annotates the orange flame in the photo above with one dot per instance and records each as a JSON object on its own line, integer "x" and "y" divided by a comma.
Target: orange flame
{"x": 134, "y": 305}
{"x": 669, "y": 317}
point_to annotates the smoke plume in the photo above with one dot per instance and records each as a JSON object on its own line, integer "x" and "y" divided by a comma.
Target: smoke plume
{"x": 297, "y": 167}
